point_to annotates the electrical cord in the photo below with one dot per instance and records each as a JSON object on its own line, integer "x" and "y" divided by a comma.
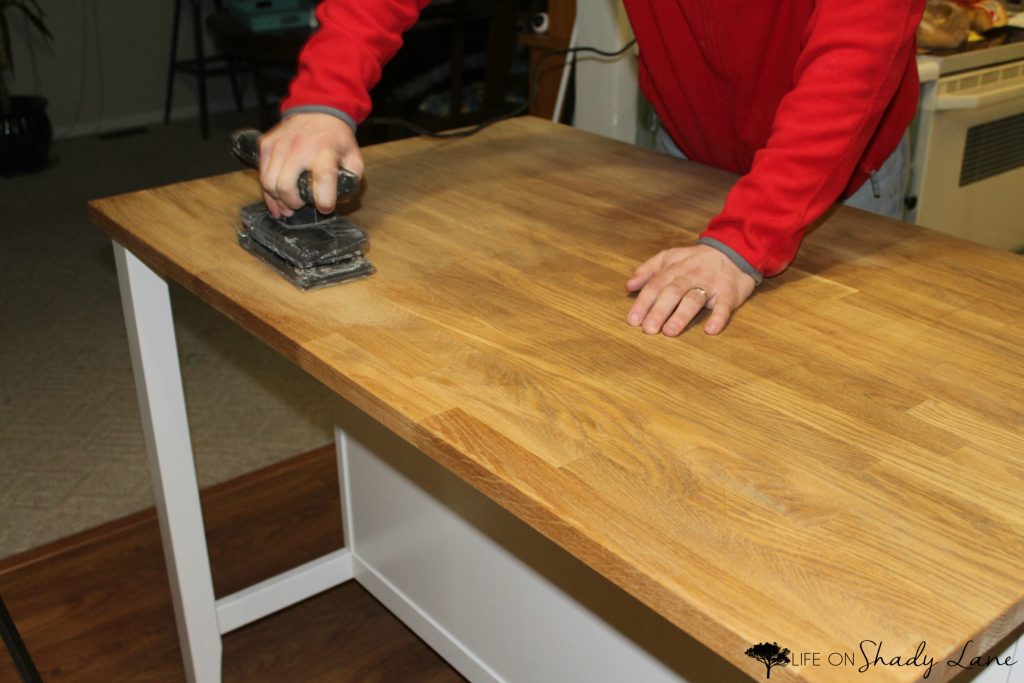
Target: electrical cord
{"x": 521, "y": 109}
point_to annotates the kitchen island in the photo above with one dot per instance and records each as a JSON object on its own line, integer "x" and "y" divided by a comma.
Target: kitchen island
{"x": 841, "y": 468}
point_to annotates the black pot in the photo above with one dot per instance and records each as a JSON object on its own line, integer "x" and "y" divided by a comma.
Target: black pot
{"x": 25, "y": 136}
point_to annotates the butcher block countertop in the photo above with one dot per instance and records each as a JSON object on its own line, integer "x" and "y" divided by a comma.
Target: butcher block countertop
{"x": 843, "y": 465}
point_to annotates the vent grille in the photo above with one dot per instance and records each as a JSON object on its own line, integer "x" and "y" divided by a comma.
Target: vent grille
{"x": 993, "y": 148}
{"x": 979, "y": 80}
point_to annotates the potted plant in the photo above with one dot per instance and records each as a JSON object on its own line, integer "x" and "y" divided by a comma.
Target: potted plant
{"x": 25, "y": 131}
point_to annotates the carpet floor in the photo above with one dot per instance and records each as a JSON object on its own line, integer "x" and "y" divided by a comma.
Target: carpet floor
{"x": 71, "y": 445}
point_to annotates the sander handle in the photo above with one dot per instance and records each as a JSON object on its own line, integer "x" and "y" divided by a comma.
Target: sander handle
{"x": 348, "y": 185}
{"x": 245, "y": 145}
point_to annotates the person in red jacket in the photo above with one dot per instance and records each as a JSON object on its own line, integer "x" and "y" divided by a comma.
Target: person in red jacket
{"x": 806, "y": 99}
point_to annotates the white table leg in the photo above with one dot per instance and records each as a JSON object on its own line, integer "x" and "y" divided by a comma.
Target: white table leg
{"x": 147, "y": 309}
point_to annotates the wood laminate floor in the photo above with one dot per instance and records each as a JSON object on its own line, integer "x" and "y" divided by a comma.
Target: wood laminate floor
{"x": 96, "y": 606}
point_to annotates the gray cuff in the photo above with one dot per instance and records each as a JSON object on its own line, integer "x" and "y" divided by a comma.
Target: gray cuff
{"x": 321, "y": 109}
{"x": 734, "y": 256}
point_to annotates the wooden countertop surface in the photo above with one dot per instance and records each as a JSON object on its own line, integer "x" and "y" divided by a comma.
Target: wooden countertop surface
{"x": 845, "y": 463}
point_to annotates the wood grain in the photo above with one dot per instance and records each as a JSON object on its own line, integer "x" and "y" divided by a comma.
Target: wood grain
{"x": 843, "y": 464}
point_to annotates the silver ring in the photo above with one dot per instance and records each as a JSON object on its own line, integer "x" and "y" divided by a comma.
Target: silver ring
{"x": 701, "y": 290}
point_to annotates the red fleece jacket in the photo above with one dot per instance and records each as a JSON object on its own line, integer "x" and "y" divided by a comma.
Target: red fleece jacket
{"x": 804, "y": 98}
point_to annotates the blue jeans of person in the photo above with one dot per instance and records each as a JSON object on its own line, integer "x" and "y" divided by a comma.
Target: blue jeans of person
{"x": 883, "y": 193}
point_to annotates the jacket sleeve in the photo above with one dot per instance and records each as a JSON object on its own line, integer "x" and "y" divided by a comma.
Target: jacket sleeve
{"x": 343, "y": 59}
{"x": 854, "y": 57}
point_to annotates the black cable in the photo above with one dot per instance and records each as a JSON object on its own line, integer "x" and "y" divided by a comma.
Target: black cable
{"x": 466, "y": 132}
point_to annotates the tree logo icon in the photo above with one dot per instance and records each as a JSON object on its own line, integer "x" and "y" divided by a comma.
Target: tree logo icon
{"x": 769, "y": 654}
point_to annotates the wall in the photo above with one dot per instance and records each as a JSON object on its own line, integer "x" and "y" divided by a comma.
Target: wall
{"x": 107, "y": 69}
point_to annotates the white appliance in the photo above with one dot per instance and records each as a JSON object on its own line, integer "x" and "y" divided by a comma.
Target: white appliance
{"x": 968, "y": 168}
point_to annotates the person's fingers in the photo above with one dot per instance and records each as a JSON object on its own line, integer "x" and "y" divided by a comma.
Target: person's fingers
{"x": 267, "y": 143}
{"x": 721, "y": 312}
{"x": 266, "y": 150}
{"x": 352, "y": 160}
{"x": 678, "y": 283}
{"x": 317, "y": 142}
{"x": 644, "y": 272}
{"x": 650, "y": 278}
{"x": 284, "y": 209}
{"x": 272, "y": 205}
{"x": 270, "y": 173}
{"x": 641, "y": 307}
{"x": 690, "y": 305}
{"x": 664, "y": 306}
{"x": 324, "y": 168}
{"x": 273, "y": 152}
{"x": 287, "y": 184}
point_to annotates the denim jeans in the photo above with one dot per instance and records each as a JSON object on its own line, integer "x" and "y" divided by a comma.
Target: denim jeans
{"x": 882, "y": 193}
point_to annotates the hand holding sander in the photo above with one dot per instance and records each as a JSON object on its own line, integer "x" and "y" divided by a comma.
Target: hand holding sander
{"x": 309, "y": 248}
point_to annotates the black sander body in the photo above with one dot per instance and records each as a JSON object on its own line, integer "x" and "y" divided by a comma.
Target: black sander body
{"x": 309, "y": 248}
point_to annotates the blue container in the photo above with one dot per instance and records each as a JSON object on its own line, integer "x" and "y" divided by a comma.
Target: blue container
{"x": 272, "y": 15}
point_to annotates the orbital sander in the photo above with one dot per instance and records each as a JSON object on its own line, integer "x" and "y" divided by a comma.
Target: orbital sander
{"x": 309, "y": 248}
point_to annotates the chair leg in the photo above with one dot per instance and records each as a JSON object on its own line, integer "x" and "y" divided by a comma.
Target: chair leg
{"x": 262, "y": 101}
{"x": 172, "y": 66}
{"x": 19, "y": 653}
{"x": 233, "y": 68}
